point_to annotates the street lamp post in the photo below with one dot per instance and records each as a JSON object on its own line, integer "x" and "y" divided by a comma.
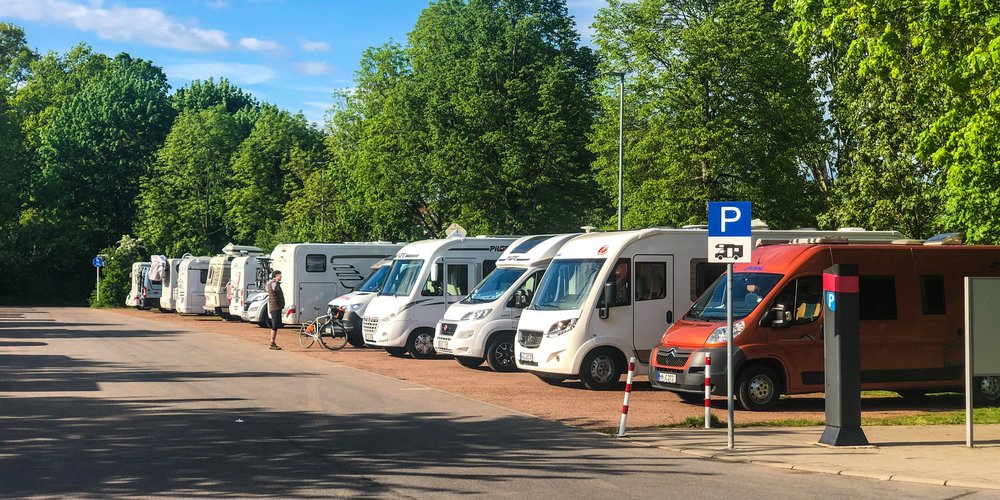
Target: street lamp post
{"x": 621, "y": 139}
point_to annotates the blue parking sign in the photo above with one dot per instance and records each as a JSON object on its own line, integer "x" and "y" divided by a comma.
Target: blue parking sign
{"x": 98, "y": 261}
{"x": 729, "y": 218}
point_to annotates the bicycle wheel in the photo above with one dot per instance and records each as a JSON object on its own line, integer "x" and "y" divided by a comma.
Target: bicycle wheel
{"x": 332, "y": 336}
{"x": 306, "y": 334}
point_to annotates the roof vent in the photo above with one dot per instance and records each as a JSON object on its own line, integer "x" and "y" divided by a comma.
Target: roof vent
{"x": 695, "y": 226}
{"x": 851, "y": 229}
{"x": 907, "y": 242}
{"x": 946, "y": 239}
{"x": 758, "y": 224}
{"x": 588, "y": 229}
{"x": 819, "y": 240}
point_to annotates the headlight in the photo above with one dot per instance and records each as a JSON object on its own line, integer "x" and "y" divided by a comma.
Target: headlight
{"x": 480, "y": 314}
{"x": 561, "y": 327}
{"x": 353, "y": 307}
{"x": 719, "y": 335}
{"x": 387, "y": 319}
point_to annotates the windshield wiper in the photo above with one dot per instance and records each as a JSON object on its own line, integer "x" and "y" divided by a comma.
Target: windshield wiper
{"x": 547, "y": 306}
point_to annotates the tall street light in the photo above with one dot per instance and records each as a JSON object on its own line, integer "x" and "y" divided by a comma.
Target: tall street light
{"x": 621, "y": 139}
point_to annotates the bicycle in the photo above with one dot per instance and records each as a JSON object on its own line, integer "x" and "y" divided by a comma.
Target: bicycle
{"x": 325, "y": 330}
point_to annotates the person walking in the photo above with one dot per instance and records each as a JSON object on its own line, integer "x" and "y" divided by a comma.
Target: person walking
{"x": 275, "y": 304}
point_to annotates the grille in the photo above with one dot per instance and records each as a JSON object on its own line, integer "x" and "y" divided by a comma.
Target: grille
{"x": 529, "y": 338}
{"x": 448, "y": 329}
{"x": 369, "y": 326}
{"x": 671, "y": 358}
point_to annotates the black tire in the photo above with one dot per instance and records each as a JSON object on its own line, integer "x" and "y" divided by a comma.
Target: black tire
{"x": 306, "y": 336}
{"x": 162, "y": 310}
{"x": 602, "y": 369}
{"x": 264, "y": 321}
{"x": 986, "y": 391}
{"x": 420, "y": 345}
{"x": 396, "y": 352}
{"x": 758, "y": 388}
{"x": 912, "y": 395}
{"x": 331, "y": 337}
{"x": 551, "y": 380}
{"x": 469, "y": 362}
{"x": 355, "y": 338}
{"x": 692, "y": 398}
{"x": 500, "y": 353}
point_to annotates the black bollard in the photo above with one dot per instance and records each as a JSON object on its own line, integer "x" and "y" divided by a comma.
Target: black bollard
{"x": 842, "y": 344}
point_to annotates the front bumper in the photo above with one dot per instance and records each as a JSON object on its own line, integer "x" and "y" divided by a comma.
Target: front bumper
{"x": 683, "y": 370}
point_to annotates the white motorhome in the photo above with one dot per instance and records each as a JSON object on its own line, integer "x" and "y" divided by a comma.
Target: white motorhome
{"x": 168, "y": 295}
{"x": 354, "y": 304}
{"x": 426, "y": 277}
{"x": 248, "y": 273}
{"x": 217, "y": 292}
{"x": 314, "y": 273}
{"x": 145, "y": 292}
{"x": 192, "y": 275}
{"x": 481, "y": 326}
{"x": 570, "y": 331}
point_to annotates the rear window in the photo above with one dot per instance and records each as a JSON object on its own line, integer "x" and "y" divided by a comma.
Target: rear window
{"x": 878, "y": 297}
{"x": 315, "y": 263}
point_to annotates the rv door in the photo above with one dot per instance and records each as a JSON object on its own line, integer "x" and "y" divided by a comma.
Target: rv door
{"x": 653, "y": 301}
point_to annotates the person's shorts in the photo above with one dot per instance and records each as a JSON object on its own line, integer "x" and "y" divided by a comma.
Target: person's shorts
{"x": 276, "y": 320}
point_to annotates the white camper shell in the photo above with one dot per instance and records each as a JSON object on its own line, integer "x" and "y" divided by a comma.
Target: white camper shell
{"x": 314, "y": 273}
{"x": 568, "y": 331}
{"x": 145, "y": 292}
{"x": 192, "y": 275}
{"x": 481, "y": 326}
{"x": 247, "y": 274}
{"x": 217, "y": 292}
{"x": 403, "y": 316}
{"x": 354, "y": 304}
{"x": 168, "y": 293}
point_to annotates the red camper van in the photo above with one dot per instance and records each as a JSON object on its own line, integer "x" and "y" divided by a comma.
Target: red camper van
{"x": 912, "y": 320}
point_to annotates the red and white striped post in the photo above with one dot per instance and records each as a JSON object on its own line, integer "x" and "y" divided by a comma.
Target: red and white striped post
{"x": 708, "y": 391}
{"x": 628, "y": 392}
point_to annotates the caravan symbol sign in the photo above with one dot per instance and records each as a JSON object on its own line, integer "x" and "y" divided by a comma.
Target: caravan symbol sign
{"x": 729, "y": 238}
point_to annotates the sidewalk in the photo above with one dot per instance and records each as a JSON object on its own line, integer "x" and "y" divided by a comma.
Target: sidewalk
{"x": 920, "y": 454}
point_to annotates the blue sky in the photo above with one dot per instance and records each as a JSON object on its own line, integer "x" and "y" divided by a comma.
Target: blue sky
{"x": 292, "y": 53}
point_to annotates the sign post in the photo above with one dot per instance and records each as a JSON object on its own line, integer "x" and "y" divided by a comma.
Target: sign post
{"x": 729, "y": 242}
{"x": 982, "y": 343}
{"x": 98, "y": 263}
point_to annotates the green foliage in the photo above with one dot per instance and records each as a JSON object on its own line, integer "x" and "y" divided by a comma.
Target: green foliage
{"x": 116, "y": 275}
{"x": 183, "y": 199}
{"x": 718, "y": 108}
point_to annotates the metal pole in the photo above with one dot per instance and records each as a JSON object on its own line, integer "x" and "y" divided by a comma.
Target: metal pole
{"x": 98, "y": 285}
{"x": 621, "y": 144}
{"x": 969, "y": 370}
{"x": 628, "y": 393}
{"x": 729, "y": 355}
{"x": 708, "y": 390}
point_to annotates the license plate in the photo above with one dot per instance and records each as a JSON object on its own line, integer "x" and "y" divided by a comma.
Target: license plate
{"x": 669, "y": 378}
{"x": 442, "y": 344}
{"x": 370, "y": 337}
{"x": 527, "y": 356}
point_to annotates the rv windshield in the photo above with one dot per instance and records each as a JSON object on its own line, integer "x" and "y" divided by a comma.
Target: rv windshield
{"x": 374, "y": 281}
{"x": 749, "y": 289}
{"x": 491, "y": 288}
{"x": 402, "y": 277}
{"x": 566, "y": 283}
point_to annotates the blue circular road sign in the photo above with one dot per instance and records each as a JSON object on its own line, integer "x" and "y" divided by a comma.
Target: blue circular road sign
{"x": 98, "y": 261}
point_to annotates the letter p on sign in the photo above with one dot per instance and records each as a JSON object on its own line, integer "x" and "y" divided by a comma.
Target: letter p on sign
{"x": 729, "y": 214}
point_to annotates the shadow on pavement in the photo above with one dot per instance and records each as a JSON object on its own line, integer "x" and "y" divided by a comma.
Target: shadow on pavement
{"x": 24, "y": 331}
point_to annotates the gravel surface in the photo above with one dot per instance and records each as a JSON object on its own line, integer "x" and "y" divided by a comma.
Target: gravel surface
{"x": 569, "y": 402}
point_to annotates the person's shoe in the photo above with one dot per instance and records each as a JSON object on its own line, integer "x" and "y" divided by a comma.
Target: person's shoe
{"x": 274, "y": 347}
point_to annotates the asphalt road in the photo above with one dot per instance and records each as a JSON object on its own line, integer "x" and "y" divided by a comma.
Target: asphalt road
{"x": 94, "y": 404}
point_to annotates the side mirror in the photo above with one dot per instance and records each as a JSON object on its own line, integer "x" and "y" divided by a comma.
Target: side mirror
{"x": 520, "y": 299}
{"x": 610, "y": 292}
{"x": 435, "y": 272}
{"x": 780, "y": 316}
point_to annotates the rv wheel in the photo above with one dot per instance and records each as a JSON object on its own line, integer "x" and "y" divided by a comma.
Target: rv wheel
{"x": 551, "y": 380}
{"x": 601, "y": 370}
{"x": 397, "y": 352}
{"x": 986, "y": 391}
{"x": 469, "y": 362}
{"x": 500, "y": 353}
{"x": 692, "y": 397}
{"x": 420, "y": 345}
{"x": 758, "y": 388}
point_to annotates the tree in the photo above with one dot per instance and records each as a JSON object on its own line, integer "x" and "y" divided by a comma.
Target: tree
{"x": 183, "y": 199}
{"x": 718, "y": 108}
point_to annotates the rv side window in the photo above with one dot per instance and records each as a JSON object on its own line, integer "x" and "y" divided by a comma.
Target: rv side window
{"x": 650, "y": 281}
{"x": 315, "y": 263}
{"x": 877, "y": 295}
{"x": 932, "y": 294}
{"x": 803, "y": 296}
{"x": 203, "y": 276}
{"x": 621, "y": 276}
{"x": 458, "y": 281}
{"x": 529, "y": 284}
{"x": 488, "y": 267}
{"x": 703, "y": 274}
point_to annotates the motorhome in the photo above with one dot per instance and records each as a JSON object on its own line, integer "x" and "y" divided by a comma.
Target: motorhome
{"x": 192, "y": 275}
{"x": 609, "y": 296}
{"x": 481, "y": 326}
{"x": 168, "y": 295}
{"x": 354, "y": 303}
{"x": 217, "y": 291}
{"x": 912, "y": 318}
{"x": 145, "y": 292}
{"x": 314, "y": 273}
{"x": 425, "y": 279}
{"x": 248, "y": 273}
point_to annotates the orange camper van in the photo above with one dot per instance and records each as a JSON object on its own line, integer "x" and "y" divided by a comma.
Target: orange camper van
{"x": 912, "y": 320}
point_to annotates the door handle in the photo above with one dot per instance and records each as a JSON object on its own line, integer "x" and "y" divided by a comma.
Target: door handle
{"x": 670, "y": 316}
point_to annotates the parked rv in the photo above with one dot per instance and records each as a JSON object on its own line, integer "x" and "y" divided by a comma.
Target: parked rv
{"x": 248, "y": 274}
{"x": 217, "y": 291}
{"x": 168, "y": 294}
{"x": 426, "y": 277}
{"x": 192, "y": 275}
{"x": 481, "y": 326}
{"x": 912, "y": 318}
{"x": 608, "y": 296}
{"x": 354, "y": 304}
{"x": 314, "y": 273}
{"x": 145, "y": 292}
{"x": 255, "y": 310}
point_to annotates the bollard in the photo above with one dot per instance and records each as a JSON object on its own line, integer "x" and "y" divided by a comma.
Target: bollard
{"x": 708, "y": 391}
{"x": 628, "y": 391}
{"x": 842, "y": 356}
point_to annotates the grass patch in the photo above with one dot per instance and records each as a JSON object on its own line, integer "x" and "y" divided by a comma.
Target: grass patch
{"x": 979, "y": 416}
{"x": 697, "y": 423}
